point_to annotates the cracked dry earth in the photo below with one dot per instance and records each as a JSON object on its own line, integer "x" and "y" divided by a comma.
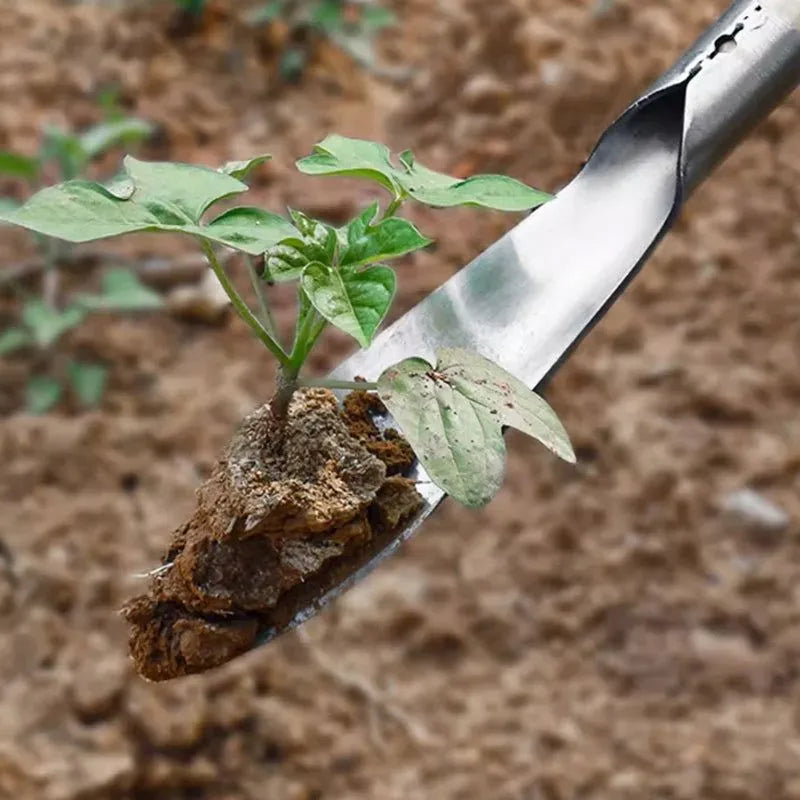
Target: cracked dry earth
{"x": 605, "y": 632}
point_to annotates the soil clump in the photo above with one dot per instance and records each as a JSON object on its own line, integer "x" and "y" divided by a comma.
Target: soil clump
{"x": 288, "y": 509}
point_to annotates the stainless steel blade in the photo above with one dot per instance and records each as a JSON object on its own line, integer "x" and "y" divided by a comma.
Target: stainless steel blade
{"x": 527, "y": 300}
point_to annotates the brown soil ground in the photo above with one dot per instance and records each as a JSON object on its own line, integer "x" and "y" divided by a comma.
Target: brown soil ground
{"x": 604, "y": 633}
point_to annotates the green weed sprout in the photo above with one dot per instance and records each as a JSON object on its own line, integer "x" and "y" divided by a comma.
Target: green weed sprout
{"x": 451, "y": 412}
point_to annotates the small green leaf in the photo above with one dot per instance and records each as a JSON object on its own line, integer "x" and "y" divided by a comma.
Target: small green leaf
{"x": 126, "y": 131}
{"x": 319, "y": 240}
{"x": 292, "y": 63}
{"x": 88, "y": 382}
{"x": 249, "y": 229}
{"x": 47, "y": 324}
{"x": 375, "y": 19}
{"x": 266, "y": 13}
{"x": 388, "y": 239}
{"x": 66, "y": 149}
{"x": 355, "y": 302}
{"x": 16, "y": 165}
{"x": 42, "y": 393}
{"x": 122, "y": 291}
{"x": 241, "y": 169}
{"x": 490, "y": 191}
{"x": 285, "y": 261}
{"x": 13, "y": 339}
{"x": 328, "y": 15}
{"x": 453, "y": 416}
{"x": 358, "y": 158}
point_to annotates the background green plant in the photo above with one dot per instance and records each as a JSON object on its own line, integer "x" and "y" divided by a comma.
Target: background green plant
{"x": 351, "y": 26}
{"x": 453, "y": 411}
{"x": 43, "y": 318}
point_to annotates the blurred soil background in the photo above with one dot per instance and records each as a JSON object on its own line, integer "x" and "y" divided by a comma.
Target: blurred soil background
{"x": 626, "y": 629}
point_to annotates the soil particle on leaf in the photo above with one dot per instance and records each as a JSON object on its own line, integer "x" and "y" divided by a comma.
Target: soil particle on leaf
{"x": 283, "y": 508}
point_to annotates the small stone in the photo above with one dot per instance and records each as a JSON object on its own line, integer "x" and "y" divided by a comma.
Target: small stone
{"x": 755, "y": 511}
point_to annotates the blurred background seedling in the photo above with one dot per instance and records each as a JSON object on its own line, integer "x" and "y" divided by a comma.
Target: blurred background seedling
{"x": 43, "y": 318}
{"x": 351, "y": 26}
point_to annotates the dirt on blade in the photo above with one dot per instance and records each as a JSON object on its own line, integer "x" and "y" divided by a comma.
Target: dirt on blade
{"x": 275, "y": 525}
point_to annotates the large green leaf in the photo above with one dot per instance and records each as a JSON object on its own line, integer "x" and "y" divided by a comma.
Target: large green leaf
{"x": 150, "y": 197}
{"x": 453, "y": 416}
{"x": 46, "y": 323}
{"x": 18, "y": 166}
{"x": 358, "y": 158}
{"x": 122, "y": 291}
{"x": 355, "y": 302}
{"x": 368, "y": 243}
{"x": 42, "y": 393}
{"x": 249, "y": 229}
{"x": 127, "y": 130}
{"x": 339, "y": 155}
{"x": 186, "y": 189}
{"x": 88, "y": 382}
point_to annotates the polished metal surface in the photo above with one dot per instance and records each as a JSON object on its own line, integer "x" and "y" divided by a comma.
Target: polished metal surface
{"x": 534, "y": 294}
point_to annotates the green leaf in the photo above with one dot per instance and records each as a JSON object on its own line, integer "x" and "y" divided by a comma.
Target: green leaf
{"x": 126, "y": 131}
{"x": 319, "y": 240}
{"x": 338, "y": 155}
{"x": 122, "y": 291}
{"x": 355, "y": 302}
{"x": 7, "y": 205}
{"x": 358, "y": 158}
{"x": 151, "y": 197}
{"x": 18, "y": 166}
{"x": 375, "y": 19}
{"x": 266, "y": 13}
{"x": 64, "y": 148}
{"x": 241, "y": 169}
{"x": 285, "y": 261}
{"x": 184, "y": 189}
{"x": 249, "y": 229}
{"x": 453, "y": 416}
{"x": 88, "y": 382}
{"x": 490, "y": 191}
{"x": 292, "y": 63}
{"x": 13, "y": 339}
{"x": 47, "y": 324}
{"x": 328, "y": 16}
{"x": 42, "y": 393}
{"x": 391, "y": 238}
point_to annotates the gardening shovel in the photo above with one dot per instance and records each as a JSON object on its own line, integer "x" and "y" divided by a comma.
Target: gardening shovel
{"x": 527, "y": 300}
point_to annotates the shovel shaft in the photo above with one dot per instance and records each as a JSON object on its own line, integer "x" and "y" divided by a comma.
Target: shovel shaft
{"x": 737, "y": 72}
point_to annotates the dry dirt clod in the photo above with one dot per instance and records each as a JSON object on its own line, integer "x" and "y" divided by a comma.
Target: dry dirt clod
{"x": 283, "y": 508}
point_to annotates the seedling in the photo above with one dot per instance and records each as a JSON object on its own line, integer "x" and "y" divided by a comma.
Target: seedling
{"x": 452, "y": 412}
{"x": 44, "y": 322}
{"x": 43, "y": 325}
{"x": 351, "y": 26}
